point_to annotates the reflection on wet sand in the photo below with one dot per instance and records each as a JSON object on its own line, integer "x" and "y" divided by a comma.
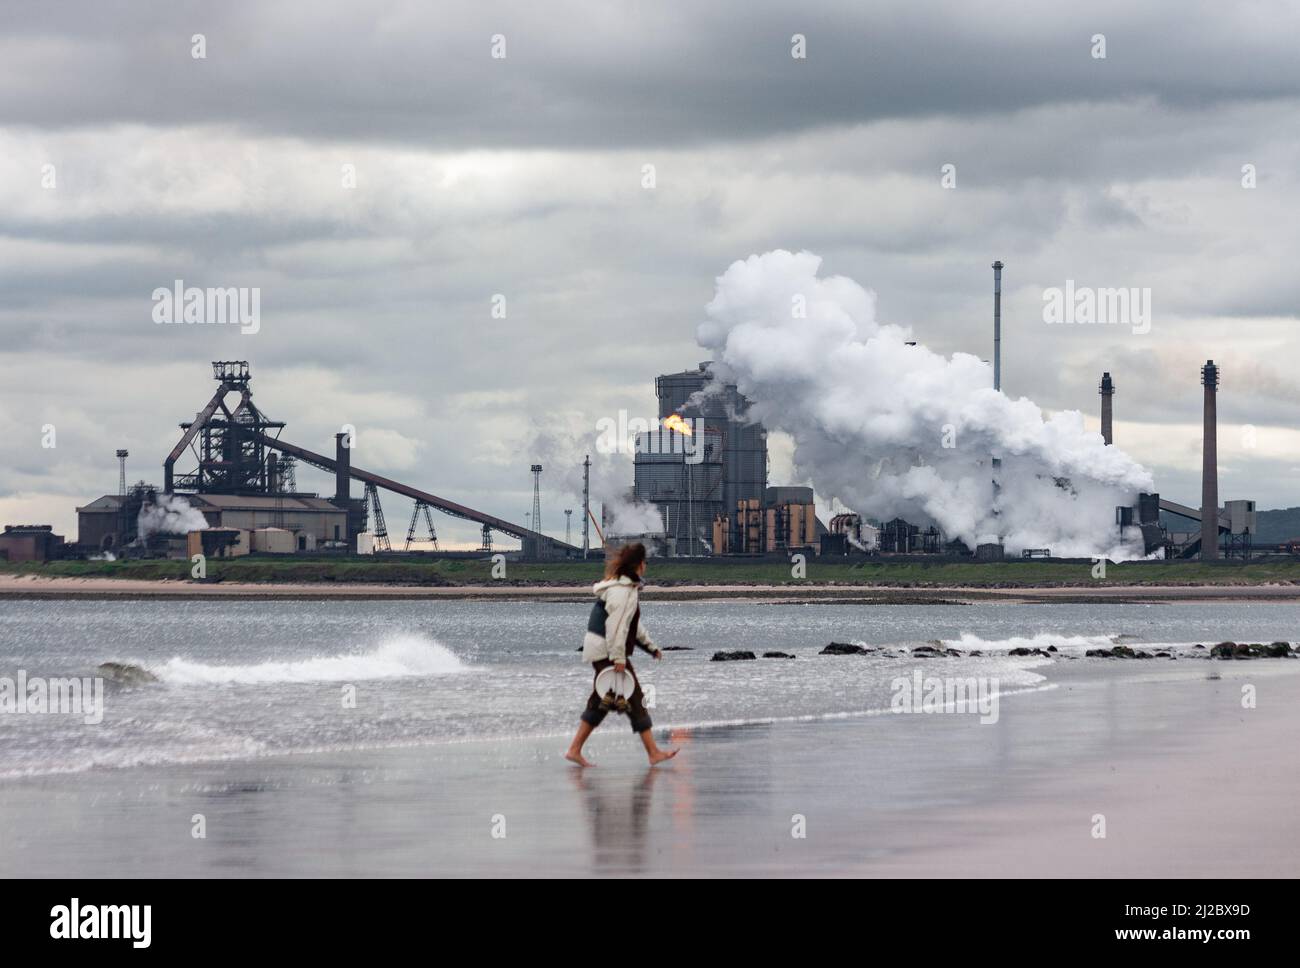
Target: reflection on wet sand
{"x": 617, "y": 807}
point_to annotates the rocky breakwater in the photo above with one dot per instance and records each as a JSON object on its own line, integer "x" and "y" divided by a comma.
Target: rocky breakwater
{"x": 1224, "y": 650}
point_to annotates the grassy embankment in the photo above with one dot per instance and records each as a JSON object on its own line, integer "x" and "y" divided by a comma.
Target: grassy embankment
{"x": 300, "y": 569}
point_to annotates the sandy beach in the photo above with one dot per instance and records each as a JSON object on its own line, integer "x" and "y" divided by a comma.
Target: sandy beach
{"x": 1190, "y": 785}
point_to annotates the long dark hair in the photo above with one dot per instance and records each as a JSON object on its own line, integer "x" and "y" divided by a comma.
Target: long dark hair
{"x": 626, "y": 561}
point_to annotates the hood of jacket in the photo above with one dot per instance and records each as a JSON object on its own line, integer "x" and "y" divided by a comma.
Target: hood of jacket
{"x": 601, "y": 587}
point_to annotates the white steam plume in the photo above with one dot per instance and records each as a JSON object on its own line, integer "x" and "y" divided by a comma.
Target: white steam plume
{"x": 633, "y": 517}
{"x": 893, "y": 430}
{"x": 170, "y": 515}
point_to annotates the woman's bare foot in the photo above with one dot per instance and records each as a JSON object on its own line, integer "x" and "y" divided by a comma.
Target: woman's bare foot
{"x": 574, "y": 752}
{"x": 658, "y": 756}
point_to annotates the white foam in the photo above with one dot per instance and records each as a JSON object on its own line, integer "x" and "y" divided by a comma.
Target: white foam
{"x": 396, "y": 657}
{"x": 1042, "y": 640}
{"x": 845, "y": 714}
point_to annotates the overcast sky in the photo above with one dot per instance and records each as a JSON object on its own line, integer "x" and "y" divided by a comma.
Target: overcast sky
{"x": 127, "y": 162}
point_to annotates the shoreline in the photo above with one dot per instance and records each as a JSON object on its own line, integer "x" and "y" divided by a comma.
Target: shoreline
{"x": 41, "y": 587}
{"x": 1173, "y": 767}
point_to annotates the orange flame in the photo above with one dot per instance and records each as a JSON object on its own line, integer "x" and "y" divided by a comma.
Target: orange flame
{"x": 675, "y": 422}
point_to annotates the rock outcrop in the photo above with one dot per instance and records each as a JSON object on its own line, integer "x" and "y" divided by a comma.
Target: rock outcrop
{"x": 732, "y": 656}
{"x": 125, "y": 673}
{"x": 843, "y": 648}
{"x": 1240, "y": 650}
{"x": 1118, "y": 652}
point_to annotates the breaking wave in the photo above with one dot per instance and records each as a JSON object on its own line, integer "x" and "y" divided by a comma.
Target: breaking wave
{"x": 1042, "y": 640}
{"x": 396, "y": 657}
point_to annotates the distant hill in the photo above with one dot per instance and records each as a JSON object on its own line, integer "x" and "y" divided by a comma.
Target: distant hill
{"x": 1279, "y": 525}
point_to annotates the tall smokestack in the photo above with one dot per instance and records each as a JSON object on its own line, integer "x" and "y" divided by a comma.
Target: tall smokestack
{"x": 586, "y": 503}
{"x": 1210, "y": 466}
{"x": 1107, "y": 415}
{"x": 997, "y": 325}
{"x": 342, "y": 468}
{"x": 997, "y": 373}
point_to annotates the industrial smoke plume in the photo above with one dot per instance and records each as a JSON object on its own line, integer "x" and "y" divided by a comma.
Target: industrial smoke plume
{"x": 171, "y": 515}
{"x": 897, "y": 430}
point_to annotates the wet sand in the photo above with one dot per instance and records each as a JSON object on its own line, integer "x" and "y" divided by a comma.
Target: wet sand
{"x": 1190, "y": 783}
{"x": 31, "y": 586}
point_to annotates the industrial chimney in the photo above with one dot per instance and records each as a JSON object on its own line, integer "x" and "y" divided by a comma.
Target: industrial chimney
{"x": 997, "y": 325}
{"x": 1210, "y": 466}
{"x": 342, "y": 469}
{"x": 997, "y": 373}
{"x": 1107, "y": 415}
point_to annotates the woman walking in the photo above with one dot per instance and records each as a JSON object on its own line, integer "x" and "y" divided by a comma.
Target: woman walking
{"x": 613, "y": 631}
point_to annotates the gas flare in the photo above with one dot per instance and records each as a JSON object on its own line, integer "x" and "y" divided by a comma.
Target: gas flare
{"x": 675, "y": 422}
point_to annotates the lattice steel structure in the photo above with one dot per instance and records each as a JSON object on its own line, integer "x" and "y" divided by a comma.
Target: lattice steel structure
{"x": 535, "y": 518}
{"x": 420, "y": 506}
{"x": 380, "y": 529}
{"x": 231, "y": 451}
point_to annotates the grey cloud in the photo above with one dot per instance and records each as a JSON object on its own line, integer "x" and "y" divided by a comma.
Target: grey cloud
{"x": 628, "y": 74}
{"x": 1122, "y": 172}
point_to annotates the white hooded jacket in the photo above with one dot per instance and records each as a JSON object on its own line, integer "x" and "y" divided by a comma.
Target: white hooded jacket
{"x": 621, "y": 598}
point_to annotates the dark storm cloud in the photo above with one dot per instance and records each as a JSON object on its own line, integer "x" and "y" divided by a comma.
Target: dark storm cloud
{"x": 623, "y": 73}
{"x": 217, "y": 233}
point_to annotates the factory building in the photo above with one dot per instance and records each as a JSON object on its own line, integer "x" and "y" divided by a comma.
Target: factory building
{"x": 227, "y": 542}
{"x": 684, "y": 479}
{"x": 313, "y": 521}
{"x": 1243, "y": 524}
{"x": 744, "y": 444}
{"x": 217, "y": 543}
{"x": 109, "y": 523}
{"x": 901, "y": 537}
{"x": 30, "y": 542}
{"x": 693, "y": 485}
{"x": 785, "y": 520}
{"x": 99, "y": 523}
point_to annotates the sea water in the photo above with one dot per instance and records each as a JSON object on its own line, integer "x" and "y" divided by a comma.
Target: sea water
{"x": 246, "y": 679}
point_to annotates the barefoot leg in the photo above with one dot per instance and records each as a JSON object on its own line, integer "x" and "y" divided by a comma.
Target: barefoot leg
{"x": 652, "y": 749}
{"x": 574, "y": 753}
